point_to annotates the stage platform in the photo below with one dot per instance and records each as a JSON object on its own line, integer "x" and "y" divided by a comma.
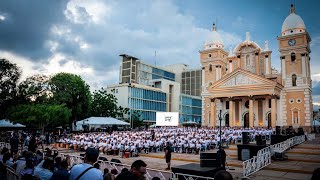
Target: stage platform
{"x": 195, "y": 169}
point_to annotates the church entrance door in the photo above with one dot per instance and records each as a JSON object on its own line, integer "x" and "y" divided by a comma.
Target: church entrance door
{"x": 227, "y": 120}
{"x": 269, "y": 120}
{"x": 246, "y": 120}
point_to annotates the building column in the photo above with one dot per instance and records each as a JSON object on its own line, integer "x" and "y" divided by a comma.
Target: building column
{"x": 213, "y": 113}
{"x": 231, "y": 113}
{"x": 283, "y": 67}
{"x": 239, "y": 61}
{"x": 273, "y": 111}
{"x": 230, "y": 66}
{"x": 217, "y": 73}
{"x": 303, "y": 58}
{"x": 251, "y": 114}
{"x": 257, "y": 63}
{"x": 267, "y": 64}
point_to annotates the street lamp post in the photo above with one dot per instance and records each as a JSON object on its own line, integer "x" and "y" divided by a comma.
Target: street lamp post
{"x": 220, "y": 119}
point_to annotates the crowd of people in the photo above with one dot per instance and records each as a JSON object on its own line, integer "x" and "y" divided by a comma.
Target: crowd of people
{"x": 32, "y": 162}
{"x": 183, "y": 140}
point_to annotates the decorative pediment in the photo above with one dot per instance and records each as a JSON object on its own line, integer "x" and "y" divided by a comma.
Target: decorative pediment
{"x": 240, "y": 79}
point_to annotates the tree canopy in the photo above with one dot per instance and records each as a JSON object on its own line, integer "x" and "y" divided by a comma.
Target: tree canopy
{"x": 71, "y": 90}
{"x": 40, "y": 115}
{"x": 104, "y": 104}
{"x": 35, "y": 89}
{"x": 9, "y": 76}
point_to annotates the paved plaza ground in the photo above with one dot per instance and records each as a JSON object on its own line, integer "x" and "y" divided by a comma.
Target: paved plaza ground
{"x": 302, "y": 160}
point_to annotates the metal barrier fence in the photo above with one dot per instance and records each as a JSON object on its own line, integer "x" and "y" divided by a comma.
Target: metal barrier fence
{"x": 264, "y": 155}
{"x": 150, "y": 173}
{"x": 11, "y": 175}
{"x": 189, "y": 177}
{"x": 311, "y": 137}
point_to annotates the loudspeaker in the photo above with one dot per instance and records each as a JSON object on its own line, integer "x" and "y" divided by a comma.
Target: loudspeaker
{"x": 278, "y": 130}
{"x": 208, "y": 155}
{"x": 245, "y": 138}
{"x": 300, "y": 131}
{"x": 260, "y": 141}
{"x": 209, "y": 163}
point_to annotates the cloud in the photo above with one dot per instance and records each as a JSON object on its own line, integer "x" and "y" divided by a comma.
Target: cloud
{"x": 86, "y": 37}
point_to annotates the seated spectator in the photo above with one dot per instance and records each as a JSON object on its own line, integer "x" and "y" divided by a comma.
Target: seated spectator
{"x": 43, "y": 170}
{"x": 28, "y": 170}
{"x": 3, "y": 151}
{"x": 7, "y": 159}
{"x": 96, "y": 165}
{"x": 137, "y": 171}
{"x": 223, "y": 175}
{"x": 85, "y": 170}
{"x": 114, "y": 172}
{"x": 316, "y": 174}
{"x": 62, "y": 173}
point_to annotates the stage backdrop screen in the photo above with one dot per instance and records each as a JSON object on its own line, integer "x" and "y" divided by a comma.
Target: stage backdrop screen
{"x": 167, "y": 118}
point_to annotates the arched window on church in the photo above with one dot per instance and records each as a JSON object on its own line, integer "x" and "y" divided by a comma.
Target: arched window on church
{"x": 210, "y": 67}
{"x": 293, "y": 57}
{"x": 294, "y": 80}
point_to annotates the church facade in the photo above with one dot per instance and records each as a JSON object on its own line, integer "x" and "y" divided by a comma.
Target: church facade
{"x": 242, "y": 87}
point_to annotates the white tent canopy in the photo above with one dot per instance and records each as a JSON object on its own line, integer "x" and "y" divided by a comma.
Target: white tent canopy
{"x": 8, "y": 124}
{"x": 98, "y": 122}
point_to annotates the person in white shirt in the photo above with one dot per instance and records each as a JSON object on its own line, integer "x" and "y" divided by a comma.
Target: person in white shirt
{"x": 91, "y": 173}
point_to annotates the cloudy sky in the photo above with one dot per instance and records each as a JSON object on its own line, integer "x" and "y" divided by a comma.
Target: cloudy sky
{"x": 86, "y": 37}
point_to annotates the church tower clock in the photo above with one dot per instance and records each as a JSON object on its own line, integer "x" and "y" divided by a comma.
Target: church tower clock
{"x": 296, "y": 97}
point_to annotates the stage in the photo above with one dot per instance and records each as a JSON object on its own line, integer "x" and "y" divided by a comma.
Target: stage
{"x": 195, "y": 169}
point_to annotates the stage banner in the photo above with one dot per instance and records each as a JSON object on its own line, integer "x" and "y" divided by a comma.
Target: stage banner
{"x": 167, "y": 118}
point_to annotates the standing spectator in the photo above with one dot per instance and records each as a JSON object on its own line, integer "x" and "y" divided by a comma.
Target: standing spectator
{"x": 167, "y": 155}
{"x": 62, "y": 173}
{"x": 137, "y": 171}
{"x": 14, "y": 143}
{"x": 32, "y": 144}
{"x": 86, "y": 170}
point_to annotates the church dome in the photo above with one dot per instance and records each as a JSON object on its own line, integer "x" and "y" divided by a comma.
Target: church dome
{"x": 293, "y": 24}
{"x": 214, "y": 40}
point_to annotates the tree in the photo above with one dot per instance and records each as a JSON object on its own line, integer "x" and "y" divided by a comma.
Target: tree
{"x": 9, "y": 76}
{"x": 104, "y": 104}
{"x": 136, "y": 119}
{"x": 71, "y": 90}
{"x": 40, "y": 115}
{"x": 35, "y": 89}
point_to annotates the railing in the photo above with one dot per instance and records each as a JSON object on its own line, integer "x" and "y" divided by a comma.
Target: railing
{"x": 11, "y": 175}
{"x": 264, "y": 155}
{"x": 189, "y": 177}
{"x": 150, "y": 173}
{"x": 311, "y": 137}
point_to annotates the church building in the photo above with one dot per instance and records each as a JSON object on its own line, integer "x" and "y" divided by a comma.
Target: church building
{"x": 242, "y": 87}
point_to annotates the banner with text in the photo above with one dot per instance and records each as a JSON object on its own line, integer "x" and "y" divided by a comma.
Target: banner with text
{"x": 167, "y": 118}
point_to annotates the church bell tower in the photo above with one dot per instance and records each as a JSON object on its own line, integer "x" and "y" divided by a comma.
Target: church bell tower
{"x": 296, "y": 97}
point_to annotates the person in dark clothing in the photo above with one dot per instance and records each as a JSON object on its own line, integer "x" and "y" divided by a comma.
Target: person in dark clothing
{"x": 14, "y": 143}
{"x": 221, "y": 157}
{"x": 167, "y": 155}
{"x": 62, "y": 173}
{"x": 316, "y": 174}
{"x": 223, "y": 175}
{"x": 137, "y": 171}
{"x": 32, "y": 144}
